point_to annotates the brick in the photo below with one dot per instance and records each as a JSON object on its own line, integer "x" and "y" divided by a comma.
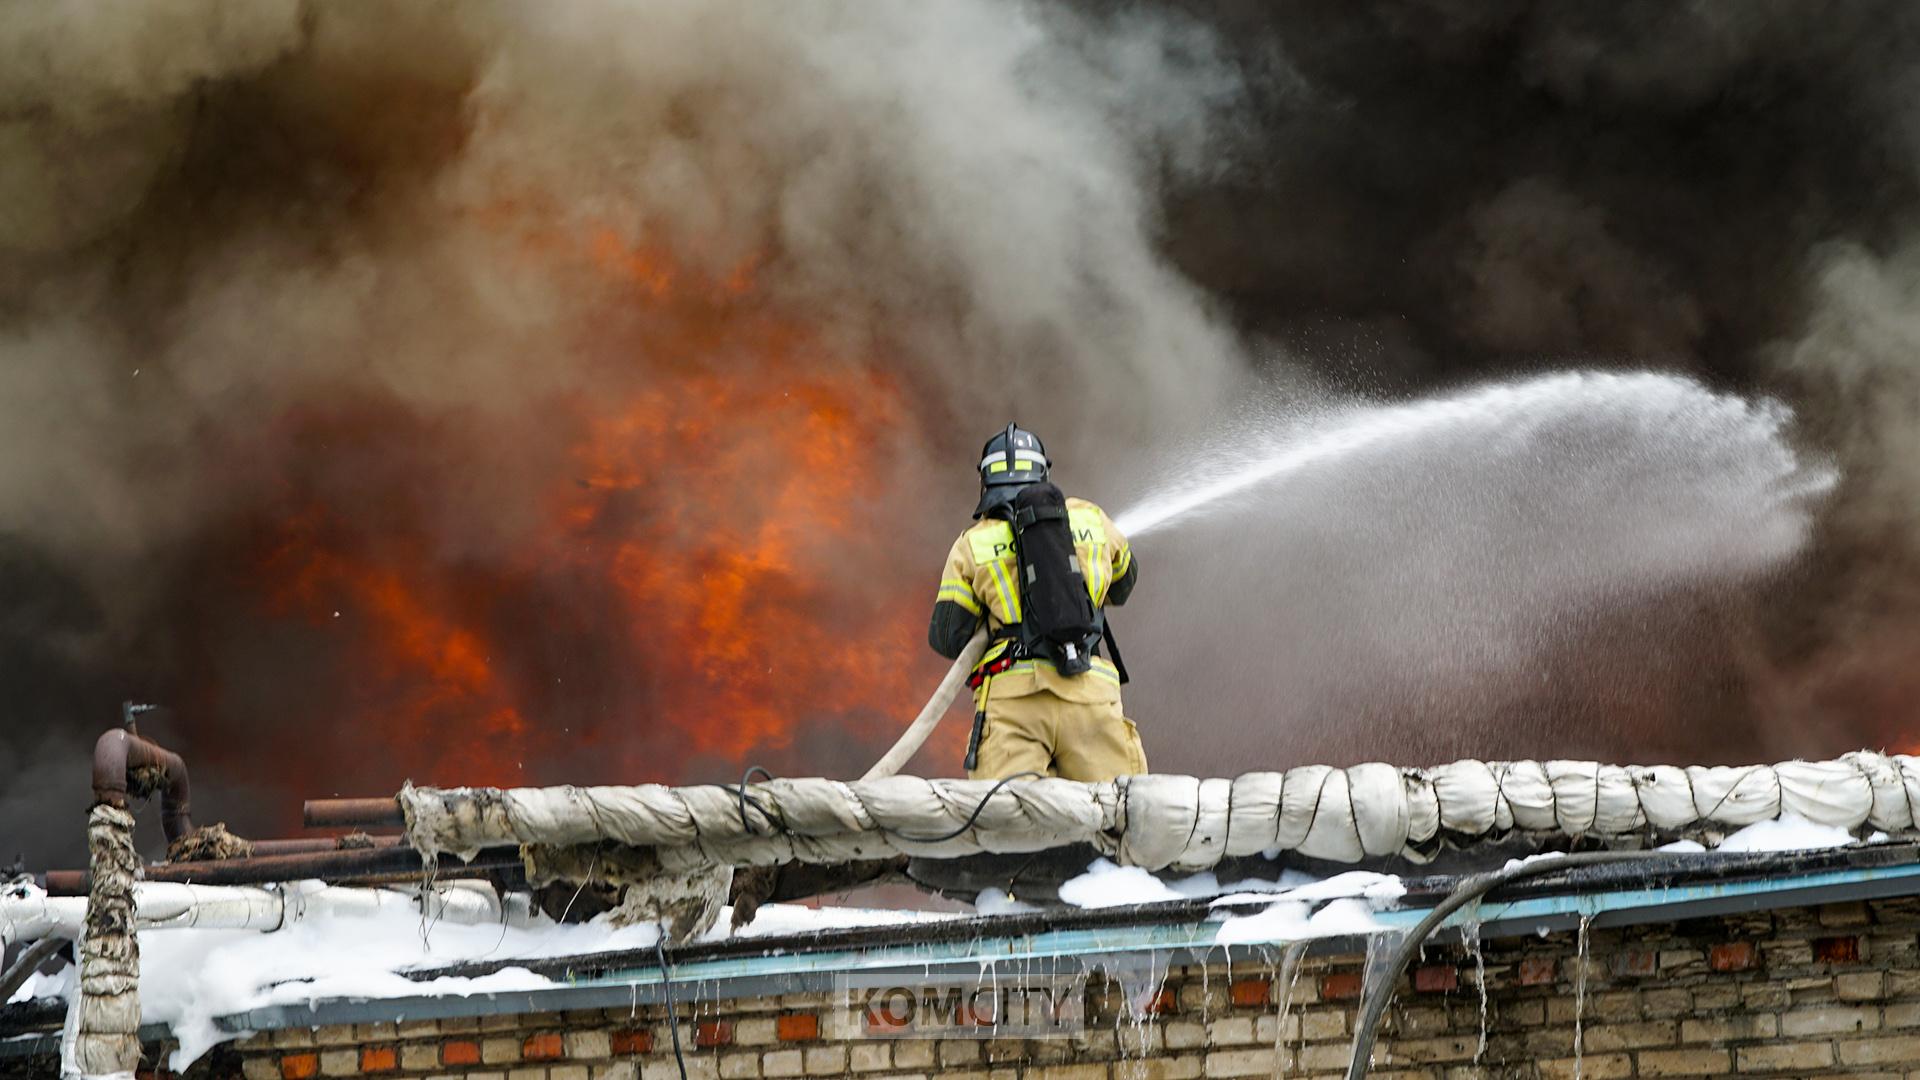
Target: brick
{"x": 1684, "y": 1062}
{"x": 1860, "y": 986}
{"x": 1274, "y": 1027}
{"x": 1635, "y": 963}
{"x": 1233, "y": 1031}
{"x": 1341, "y": 986}
{"x": 335, "y": 1035}
{"x": 379, "y": 1031}
{"x": 870, "y": 1056}
{"x": 1730, "y": 1029}
{"x": 1427, "y": 1051}
{"x": 1436, "y": 979}
{"x": 778, "y": 1063}
{"x": 708, "y": 1034}
{"x": 1886, "y": 1050}
{"x": 1323, "y": 1024}
{"x": 1720, "y": 995}
{"x": 1678, "y": 960}
{"x": 1604, "y": 1037}
{"x": 1185, "y": 1034}
{"x": 1904, "y": 1015}
{"x": 420, "y": 1057}
{"x": 912, "y": 1054}
{"x": 459, "y": 1052}
{"x": 959, "y": 1052}
{"x": 262, "y": 1067}
{"x": 1064, "y": 1072}
{"x": 1250, "y": 993}
{"x": 1591, "y": 1067}
{"x": 629, "y": 1041}
{"x": 743, "y": 1065}
{"x": 299, "y": 1066}
{"x": 1732, "y": 956}
{"x": 1664, "y": 1004}
{"x": 1775, "y": 1057}
{"x": 1535, "y": 971}
{"x": 499, "y": 1050}
{"x": 419, "y": 1029}
{"x": 1164, "y": 1003}
{"x": 378, "y": 1059}
{"x": 1157, "y": 1068}
{"x": 1241, "y": 1063}
{"x": 571, "y": 1072}
{"x": 757, "y": 1031}
{"x": 339, "y": 1062}
{"x": 797, "y": 1027}
{"x": 878, "y": 1021}
{"x": 1324, "y": 1057}
{"x": 826, "y": 1060}
{"x": 1837, "y": 950}
{"x": 543, "y": 1046}
{"x": 1765, "y": 996}
{"x": 294, "y": 1036}
{"x": 1829, "y": 1020}
{"x": 1850, "y": 913}
{"x": 588, "y": 1045}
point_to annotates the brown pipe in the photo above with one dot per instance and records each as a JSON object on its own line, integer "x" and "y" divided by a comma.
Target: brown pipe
{"x": 305, "y": 844}
{"x": 117, "y": 753}
{"x": 393, "y": 862}
{"x": 353, "y": 813}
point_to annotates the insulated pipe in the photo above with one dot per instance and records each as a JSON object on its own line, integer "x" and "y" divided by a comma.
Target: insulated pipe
{"x": 29, "y": 914}
{"x": 352, "y": 813}
{"x": 390, "y": 860}
{"x": 916, "y": 734}
{"x": 117, "y": 753}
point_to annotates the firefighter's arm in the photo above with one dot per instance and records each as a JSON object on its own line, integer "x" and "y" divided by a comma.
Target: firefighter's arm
{"x": 1126, "y": 569}
{"x": 956, "y": 610}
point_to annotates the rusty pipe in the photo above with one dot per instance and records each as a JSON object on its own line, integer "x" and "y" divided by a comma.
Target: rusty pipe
{"x": 393, "y": 861}
{"x": 380, "y": 813}
{"x": 306, "y": 844}
{"x": 118, "y": 753}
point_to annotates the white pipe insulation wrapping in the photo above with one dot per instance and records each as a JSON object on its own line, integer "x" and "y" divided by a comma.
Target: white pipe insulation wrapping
{"x": 1170, "y": 822}
{"x": 27, "y": 913}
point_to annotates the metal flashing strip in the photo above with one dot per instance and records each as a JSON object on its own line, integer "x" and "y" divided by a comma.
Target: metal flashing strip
{"x": 723, "y": 978}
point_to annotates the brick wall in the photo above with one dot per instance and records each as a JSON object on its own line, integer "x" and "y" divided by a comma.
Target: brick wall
{"x": 1832, "y": 991}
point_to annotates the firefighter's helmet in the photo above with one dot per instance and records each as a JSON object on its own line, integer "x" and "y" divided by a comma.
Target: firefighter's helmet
{"x": 1011, "y": 460}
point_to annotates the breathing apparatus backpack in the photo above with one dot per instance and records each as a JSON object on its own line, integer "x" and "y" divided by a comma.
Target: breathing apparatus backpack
{"x": 1058, "y": 620}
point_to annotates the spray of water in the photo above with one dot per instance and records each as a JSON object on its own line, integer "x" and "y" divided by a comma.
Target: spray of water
{"x": 1742, "y": 441}
{"x": 1525, "y": 567}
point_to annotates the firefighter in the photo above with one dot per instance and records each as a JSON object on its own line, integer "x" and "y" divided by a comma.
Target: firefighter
{"x": 1028, "y": 715}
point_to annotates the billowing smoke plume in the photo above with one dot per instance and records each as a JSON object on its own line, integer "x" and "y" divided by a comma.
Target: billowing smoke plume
{"x": 509, "y": 392}
{"x": 1461, "y": 191}
{"x": 613, "y": 371}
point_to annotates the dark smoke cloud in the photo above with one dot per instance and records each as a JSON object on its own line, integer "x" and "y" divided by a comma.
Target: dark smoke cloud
{"x": 1452, "y": 191}
{"x": 250, "y": 255}
{"x": 285, "y": 275}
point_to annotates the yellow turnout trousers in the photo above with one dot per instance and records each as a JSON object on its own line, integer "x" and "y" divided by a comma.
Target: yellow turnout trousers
{"x": 1044, "y": 733}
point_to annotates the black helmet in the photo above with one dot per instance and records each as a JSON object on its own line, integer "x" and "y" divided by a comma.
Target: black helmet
{"x": 1010, "y": 461}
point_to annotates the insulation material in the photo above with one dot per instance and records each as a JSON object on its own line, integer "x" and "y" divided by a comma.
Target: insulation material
{"x": 106, "y": 1039}
{"x": 1170, "y": 822}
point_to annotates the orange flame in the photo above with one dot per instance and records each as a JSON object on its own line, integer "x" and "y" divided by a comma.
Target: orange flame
{"x": 712, "y": 574}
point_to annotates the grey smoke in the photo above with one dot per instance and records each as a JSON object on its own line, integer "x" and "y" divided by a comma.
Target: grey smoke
{"x": 283, "y": 210}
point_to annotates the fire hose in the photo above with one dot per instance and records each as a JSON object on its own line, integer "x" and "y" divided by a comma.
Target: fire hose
{"x": 1367, "y": 1025}
{"x": 916, "y": 734}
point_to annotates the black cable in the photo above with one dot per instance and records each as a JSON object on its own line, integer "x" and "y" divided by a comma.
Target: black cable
{"x": 1473, "y": 888}
{"x": 666, "y": 987}
{"x": 741, "y": 791}
{"x": 975, "y": 816}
